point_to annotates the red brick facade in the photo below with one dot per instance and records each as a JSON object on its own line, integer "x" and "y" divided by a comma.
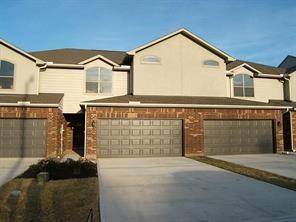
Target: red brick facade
{"x": 54, "y": 118}
{"x": 192, "y": 122}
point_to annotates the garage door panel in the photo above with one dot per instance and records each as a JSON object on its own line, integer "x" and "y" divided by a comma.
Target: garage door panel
{"x": 238, "y": 136}
{"x": 141, "y": 137}
{"x": 23, "y": 137}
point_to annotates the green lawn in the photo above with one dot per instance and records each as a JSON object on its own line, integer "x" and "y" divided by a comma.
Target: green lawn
{"x": 56, "y": 200}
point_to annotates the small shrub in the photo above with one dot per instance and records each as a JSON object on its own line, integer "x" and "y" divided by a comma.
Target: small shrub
{"x": 58, "y": 169}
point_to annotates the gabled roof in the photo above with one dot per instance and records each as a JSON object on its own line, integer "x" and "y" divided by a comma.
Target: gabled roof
{"x": 20, "y": 51}
{"x": 288, "y": 62}
{"x": 98, "y": 57}
{"x": 265, "y": 69}
{"x": 189, "y": 35}
{"x": 292, "y": 69}
{"x": 76, "y": 56}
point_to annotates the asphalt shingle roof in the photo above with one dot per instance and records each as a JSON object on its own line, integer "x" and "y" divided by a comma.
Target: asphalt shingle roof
{"x": 41, "y": 98}
{"x": 179, "y": 100}
{"x": 74, "y": 56}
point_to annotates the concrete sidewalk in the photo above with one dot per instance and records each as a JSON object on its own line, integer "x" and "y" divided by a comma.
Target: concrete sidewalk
{"x": 181, "y": 189}
{"x": 281, "y": 164}
{"x": 12, "y": 167}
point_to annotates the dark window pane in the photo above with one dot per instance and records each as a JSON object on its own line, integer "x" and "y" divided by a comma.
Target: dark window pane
{"x": 91, "y": 87}
{"x": 106, "y": 87}
{"x": 211, "y": 63}
{"x": 238, "y": 91}
{"x": 105, "y": 74}
{"x": 248, "y": 81}
{"x": 249, "y": 92}
{"x": 92, "y": 74}
{"x": 6, "y": 68}
{"x": 6, "y": 83}
{"x": 238, "y": 80}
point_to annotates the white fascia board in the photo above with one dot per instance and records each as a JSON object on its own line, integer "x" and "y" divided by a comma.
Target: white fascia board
{"x": 182, "y": 30}
{"x": 186, "y": 105}
{"x": 244, "y": 65}
{"x": 121, "y": 68}
{"x": 53, "y": 65}
{"x": 25, "y": 104}
{"x": 38, "y": 61}
{"x": 98, "y": 57}
{"x": 280, "y": 76}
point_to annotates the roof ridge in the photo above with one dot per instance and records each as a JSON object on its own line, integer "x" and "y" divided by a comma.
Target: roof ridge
{"x": 59, "y": 49}
{"x": 258, "y": 63}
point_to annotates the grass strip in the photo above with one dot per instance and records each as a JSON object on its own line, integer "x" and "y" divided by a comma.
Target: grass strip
{"x": 257, "y": 174}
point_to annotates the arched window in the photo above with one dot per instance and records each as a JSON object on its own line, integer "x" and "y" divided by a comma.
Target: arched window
{"x": 211, "y": 62}
{"x": 6, "y": 74}
{"x": 98, "y": 80}
{"x": 152, "y": 59}
{"x": 243, "y": 85}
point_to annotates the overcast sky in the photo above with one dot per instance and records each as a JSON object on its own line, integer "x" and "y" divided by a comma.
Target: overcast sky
{"x": 262, "y": 31}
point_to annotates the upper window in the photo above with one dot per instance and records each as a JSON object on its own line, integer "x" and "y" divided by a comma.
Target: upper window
{"x": 150, "y": 59}
{"x": 6, "y": 75}
{"x": 210, "y": 62}
{"x": 243, "y": 85}
{"x": 98, "y": 80}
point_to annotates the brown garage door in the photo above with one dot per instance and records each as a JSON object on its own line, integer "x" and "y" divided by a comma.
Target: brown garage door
{"x": 139, "y": 138}
{"x": 224, "y": 137}
{"x": 23, "y": 137}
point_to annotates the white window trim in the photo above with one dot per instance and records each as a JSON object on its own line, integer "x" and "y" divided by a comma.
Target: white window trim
{"x": 98, "y": 82}
{"x": 152, "y": 63}
{"x": 244, "y": 86}
{"x": 13, "y": 77}
{"x": 210, "y": 66}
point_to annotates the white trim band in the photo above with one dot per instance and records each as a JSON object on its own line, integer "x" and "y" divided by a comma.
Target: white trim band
{"x": 186, "y": 105}
{"x": 20, "y": 104}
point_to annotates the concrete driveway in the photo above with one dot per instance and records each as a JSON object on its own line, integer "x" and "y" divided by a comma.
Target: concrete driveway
{"x": 181, "y": 189}
{"x": 12, "y": 167}
{"x": 280, "y": 164}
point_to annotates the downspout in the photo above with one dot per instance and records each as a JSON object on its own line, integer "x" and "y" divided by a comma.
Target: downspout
{"x": 61, "y": 132}
{"x": 85, "y": 133}
{"x": 291, "y": 129}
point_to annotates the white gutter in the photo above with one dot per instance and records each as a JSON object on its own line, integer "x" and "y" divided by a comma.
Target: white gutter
{"x": 65, "y": 66}
{"x": 53, "y": 65}
{"x": 85, "y": 133}
{"x": 121, "y": 68}
{"x": 137, "y": 104}
{"x": 29, "y": 104}
{"x": 280, "y": 76}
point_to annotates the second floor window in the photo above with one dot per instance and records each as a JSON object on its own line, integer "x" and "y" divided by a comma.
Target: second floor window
{"x": 211, "y": 63}
{"x": 150, "y": 59}
{"x": 243, "y": 85}
{"x": 6, "y": 74}
{"x": 98, "y": 80}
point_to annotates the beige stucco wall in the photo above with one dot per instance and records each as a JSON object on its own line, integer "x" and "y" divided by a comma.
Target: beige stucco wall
{"x": 181, "y": 71}
{"x": 25, "y": 72}
{"x": 72, "y": 83}
{"x": 293, "y": 86}
{"x": 264, "y": 88}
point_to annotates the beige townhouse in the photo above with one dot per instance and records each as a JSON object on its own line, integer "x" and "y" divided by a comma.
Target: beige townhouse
{"x": 177, "y": 95}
